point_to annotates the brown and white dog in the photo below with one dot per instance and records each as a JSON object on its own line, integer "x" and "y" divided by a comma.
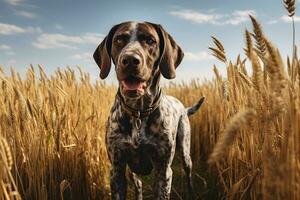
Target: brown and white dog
{"x": 144, "y": 125}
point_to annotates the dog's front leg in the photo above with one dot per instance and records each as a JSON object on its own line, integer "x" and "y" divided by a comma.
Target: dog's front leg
{"x": 118, "y": 182}
{"x": 163, "y": 183}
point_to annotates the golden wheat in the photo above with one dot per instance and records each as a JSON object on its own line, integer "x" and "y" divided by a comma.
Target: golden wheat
{"x": 218, "y": 52}
{"x": 290, "y": 5}
{"x": 259, "y": 37}
{"x": 249, "y": 44}
{"x": 230, "y": 133}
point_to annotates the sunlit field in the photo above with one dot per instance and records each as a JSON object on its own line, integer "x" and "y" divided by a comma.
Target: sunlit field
{"x": 245, "y": 138}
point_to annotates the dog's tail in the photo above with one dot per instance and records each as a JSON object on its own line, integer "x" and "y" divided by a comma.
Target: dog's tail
{"x": 191, "y": 110}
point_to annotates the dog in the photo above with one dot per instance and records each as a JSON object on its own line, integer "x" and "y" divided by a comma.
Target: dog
{"x": 145, "y": 125}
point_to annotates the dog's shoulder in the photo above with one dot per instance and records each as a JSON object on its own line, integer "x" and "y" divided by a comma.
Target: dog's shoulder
{"x": 171, "y": 101}
{"x": 171, "y": 106}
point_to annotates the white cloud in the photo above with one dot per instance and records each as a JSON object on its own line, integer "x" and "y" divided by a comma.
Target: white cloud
{"x": 196, "y": 17}
{"x": 286, "y": 18}
{"x": 6, "y": 50}
{"x": 26, "y": 14}
{"x": 13, "y": 2}
{"x": 87, "y": 57}
{"x": 11, "y": 29}
{"x": 52, "y": 41}
{"x": 34, "y": 30}
{"x": 58, "y": 26}
{"x": 198, "y": 56}
{"x": 239, "y": 16}
{"x": 92, "y": 38}
{"x": 5, "y": 47}
{"x": 236, "y": 18}
{"x": 273, "y": 21}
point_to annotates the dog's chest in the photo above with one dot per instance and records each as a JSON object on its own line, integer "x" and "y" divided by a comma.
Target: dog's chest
{"x": 144, "y": 148}
{"x": 148, "y": 133}
{"x": 146, "y": 145}
{"x": 138, "y": 146}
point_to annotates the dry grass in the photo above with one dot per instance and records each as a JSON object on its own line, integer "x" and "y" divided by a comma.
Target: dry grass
{"x": 55, "y": 129}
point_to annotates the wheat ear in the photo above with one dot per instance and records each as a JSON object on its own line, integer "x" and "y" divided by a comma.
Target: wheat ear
{"x": 259, "y": 37}
{"x": 219, "y": 51}
{"x": 228, "y": 136}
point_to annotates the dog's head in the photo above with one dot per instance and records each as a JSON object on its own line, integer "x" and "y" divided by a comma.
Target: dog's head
{"x": 140, "y": 51}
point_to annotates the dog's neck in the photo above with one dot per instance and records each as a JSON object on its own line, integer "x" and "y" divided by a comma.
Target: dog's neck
{"x": 152, "y": 94}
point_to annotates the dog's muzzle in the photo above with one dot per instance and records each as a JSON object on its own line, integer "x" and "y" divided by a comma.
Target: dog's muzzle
{"x": 130, "y": 63}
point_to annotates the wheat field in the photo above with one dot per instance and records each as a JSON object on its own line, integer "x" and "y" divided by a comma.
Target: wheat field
{"x": 245, "y": 139}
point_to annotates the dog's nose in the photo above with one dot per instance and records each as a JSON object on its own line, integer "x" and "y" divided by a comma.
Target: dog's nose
{"x": 130, "y": 60}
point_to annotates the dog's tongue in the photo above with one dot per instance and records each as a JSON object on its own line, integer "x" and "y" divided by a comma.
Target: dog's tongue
{"x": 133, "y": 85}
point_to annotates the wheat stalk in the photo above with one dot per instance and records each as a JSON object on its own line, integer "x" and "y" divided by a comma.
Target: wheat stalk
{"x": 217, "y": 73}
{"x": 252, "y": 55}
{"x": 230, "y": 133}
{"x": 249, "y": 43}
{"x": 8, "y": 188}
{"x": 277, "y": 76}
{"x": 6, "y": 155}
{"x": 257, "y": 72}
{"x": 258, "y": 36}
{"x": 290, "y": 6}
{"x": 219, "y": 51}
{"x": 246, "y": 79}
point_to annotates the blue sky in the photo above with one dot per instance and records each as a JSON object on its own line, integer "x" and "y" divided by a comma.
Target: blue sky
{"x": 60, "y": 33}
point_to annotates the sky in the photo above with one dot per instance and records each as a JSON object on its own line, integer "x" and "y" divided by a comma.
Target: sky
{"x": 60, "y": 33}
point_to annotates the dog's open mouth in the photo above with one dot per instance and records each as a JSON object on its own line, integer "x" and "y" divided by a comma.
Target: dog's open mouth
{"x": 134, "y": 84}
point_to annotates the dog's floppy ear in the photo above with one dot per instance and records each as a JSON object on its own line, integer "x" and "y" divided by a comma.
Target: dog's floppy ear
{"x": 171, "y": 54}
{"x": 102, "y": 54}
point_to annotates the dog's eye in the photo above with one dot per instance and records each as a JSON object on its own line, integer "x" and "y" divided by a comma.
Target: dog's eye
{"x": 150, "y": 41}
{"x": 119, "y": 41}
